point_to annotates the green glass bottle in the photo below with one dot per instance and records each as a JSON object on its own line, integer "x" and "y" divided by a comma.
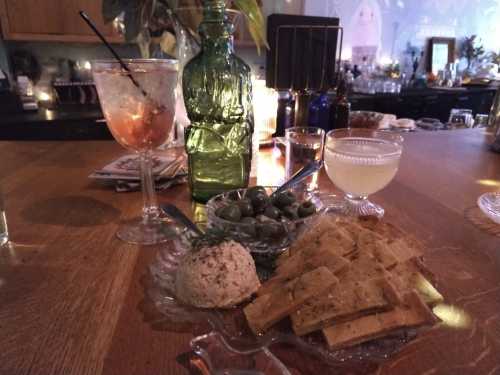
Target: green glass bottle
{"x": 218, "y": 96}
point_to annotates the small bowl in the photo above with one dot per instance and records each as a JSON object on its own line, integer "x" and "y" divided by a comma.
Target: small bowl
{"x": 489, "y": 203}
{"x": 365, "y": 119}
{"x": 258, "y": 240}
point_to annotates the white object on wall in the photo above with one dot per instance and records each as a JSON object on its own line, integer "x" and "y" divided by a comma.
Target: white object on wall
{"x": 366, "y": 25}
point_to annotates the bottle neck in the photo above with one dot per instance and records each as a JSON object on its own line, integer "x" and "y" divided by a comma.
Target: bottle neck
{"x": 216, "y": 30}
{"x": 214, "y": 10}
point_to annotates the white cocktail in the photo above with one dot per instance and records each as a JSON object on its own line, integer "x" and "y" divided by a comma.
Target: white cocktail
{"x": 361, "y": 162}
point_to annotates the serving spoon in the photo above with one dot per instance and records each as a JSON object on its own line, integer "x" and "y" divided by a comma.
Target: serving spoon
{"x": 299, "y": 176}
{"x": 178, "y": 216}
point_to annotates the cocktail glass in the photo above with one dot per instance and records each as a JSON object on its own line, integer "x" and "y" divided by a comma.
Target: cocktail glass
{"x": 361, "y": 162}
{"x": 140, "y": 112}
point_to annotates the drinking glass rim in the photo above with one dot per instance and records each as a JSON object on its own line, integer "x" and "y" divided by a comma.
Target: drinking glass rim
{"x": 383, "y": 135}
{"x": 105, "y": 63}
{"x": 394, "y": 139}
{"x": 319, "y": 131}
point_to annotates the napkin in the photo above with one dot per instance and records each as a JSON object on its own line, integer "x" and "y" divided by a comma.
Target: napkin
{"x": 124, "y": 173}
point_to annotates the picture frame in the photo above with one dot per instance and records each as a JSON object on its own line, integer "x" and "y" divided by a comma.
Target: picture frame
{"x": 440, "y": 52}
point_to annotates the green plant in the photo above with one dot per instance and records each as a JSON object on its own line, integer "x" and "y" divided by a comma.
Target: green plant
{"x": 495, "y": 57}
{"x": 142, "y": 17}
{"x": 469, "y": 50}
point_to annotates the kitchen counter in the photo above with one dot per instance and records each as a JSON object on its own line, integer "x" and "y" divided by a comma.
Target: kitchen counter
{"x": 69, "y": 122}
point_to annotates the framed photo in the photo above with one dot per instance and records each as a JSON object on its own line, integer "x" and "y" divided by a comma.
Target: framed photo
{"x": 440, "y": 52}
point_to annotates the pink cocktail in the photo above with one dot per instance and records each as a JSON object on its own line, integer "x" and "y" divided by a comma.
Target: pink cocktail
{"x": 140, "y": 115}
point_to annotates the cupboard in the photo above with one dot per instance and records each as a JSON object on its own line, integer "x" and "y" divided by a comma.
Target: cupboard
{"x": 52, "y": 20}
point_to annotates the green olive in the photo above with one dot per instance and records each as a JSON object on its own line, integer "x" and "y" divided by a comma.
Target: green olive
{"x": 245, "y": 206}
{"x": 255, "y": 190}
{"x": 284, "y": 199}
{"x": 249, "y": 220}
{"x": 306, "y": 209}
{"x": 272, "y": 212}
{"x": 250, "y": 227}
{"x": 231, "y": 213}
{"x": 260, "y": 202}
{"x": 269, "y": 230}
{"x": 291, "y": 212}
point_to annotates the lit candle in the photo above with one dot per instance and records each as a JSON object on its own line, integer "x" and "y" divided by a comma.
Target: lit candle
{"x": 265, "y": 103}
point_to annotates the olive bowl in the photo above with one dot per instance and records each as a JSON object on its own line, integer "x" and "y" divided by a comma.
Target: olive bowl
{"x": 269, "y": 236}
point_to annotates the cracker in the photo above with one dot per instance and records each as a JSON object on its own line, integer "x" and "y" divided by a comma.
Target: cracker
{"x": 343, "y": 302}
{"x": 412, "y": 313}
{"x": 413, "y": 275}
{"x": 301, "y": 263}
{"x": 371, "y": 243}
{"x": 324, "y": 233}
{"x": 268, "y": 309}
{"x": 405, "y": 248}
{"x": 363, "y": 267}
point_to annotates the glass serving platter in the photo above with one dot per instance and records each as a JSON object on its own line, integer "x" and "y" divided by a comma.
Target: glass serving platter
{"x": 229, "y": 340}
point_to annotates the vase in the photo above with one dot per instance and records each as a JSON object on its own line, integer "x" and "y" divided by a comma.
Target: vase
{"x": 217, "y": 93}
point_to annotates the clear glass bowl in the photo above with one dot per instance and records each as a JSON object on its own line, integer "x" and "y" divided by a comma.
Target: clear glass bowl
{"x": 256, "y": 240}
{"x": 489, "y": 203}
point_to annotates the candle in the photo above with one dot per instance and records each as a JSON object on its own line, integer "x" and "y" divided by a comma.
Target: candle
{"x": 265, "y": 103}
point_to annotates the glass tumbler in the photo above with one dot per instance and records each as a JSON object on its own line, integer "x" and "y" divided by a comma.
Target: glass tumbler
{"x": 303, "y": 145}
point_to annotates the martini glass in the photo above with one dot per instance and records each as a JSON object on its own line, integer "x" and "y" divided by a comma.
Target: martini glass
{"x": 139, "y": 106}
{"x": 361, "y": 162}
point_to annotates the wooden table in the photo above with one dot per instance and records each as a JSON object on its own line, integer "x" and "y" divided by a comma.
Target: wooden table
{"x": 71, "y": 293}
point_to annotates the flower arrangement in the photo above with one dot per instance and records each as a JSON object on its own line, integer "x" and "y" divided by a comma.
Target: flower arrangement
{"x": 470, "y": 50}
{"x": 495, "y": 57}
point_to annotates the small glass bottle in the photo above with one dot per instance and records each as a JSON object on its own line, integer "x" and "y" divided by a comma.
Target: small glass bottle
{"x": 319, "y": 111}
{"x": 218, "y": 96}
{"x": 340, "y": 108}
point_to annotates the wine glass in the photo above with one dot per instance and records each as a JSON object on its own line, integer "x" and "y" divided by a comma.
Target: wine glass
{"x": 139, "y": 107}
{"x": 361, "y": 162}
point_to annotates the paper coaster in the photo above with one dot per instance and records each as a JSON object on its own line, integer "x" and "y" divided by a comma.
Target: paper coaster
{"x": 480, "y": 220}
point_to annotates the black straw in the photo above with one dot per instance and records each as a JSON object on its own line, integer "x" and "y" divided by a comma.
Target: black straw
{"x": 91, "y": 24}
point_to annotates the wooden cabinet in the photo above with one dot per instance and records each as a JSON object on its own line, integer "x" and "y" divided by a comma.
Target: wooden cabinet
{"x": 52, "y": 20}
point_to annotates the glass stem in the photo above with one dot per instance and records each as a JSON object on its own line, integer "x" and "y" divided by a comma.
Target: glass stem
{"x": 150, "y": 210}
{"x": 356, "y": 199}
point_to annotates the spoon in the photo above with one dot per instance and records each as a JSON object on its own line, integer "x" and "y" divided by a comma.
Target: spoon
{"x": 299, "y": 176}
{"x": 178, "y": 216}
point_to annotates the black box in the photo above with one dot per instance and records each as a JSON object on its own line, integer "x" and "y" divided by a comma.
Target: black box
{"x": 302, "y": 53}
